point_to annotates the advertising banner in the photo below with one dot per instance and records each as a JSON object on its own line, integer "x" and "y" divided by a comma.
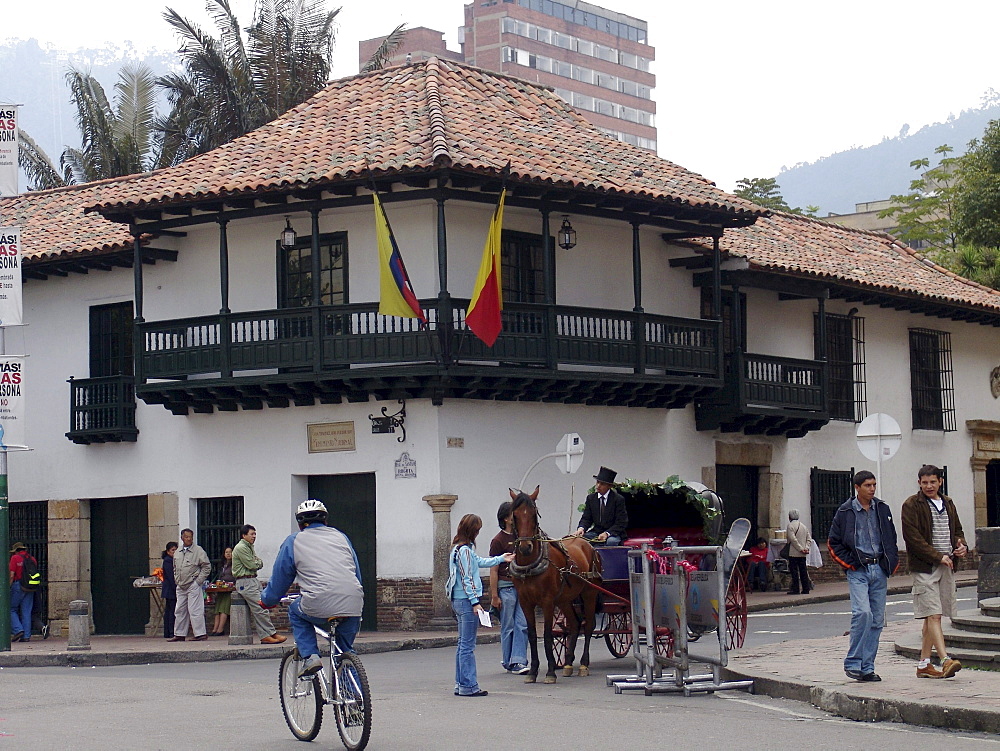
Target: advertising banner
{"x": 8, "y": 150}
{"x": 11, "y": 402}
{"x": 10, "y": 276}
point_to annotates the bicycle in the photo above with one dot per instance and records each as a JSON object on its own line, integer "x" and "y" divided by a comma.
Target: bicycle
{"x": 341, "y": 682}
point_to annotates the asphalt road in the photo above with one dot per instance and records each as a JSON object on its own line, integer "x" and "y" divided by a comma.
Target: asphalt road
{"x": 234, "y": 705}
{"x": 828, "y": 619}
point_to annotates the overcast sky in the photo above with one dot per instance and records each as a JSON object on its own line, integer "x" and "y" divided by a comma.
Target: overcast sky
{"x": 742, "y": 88}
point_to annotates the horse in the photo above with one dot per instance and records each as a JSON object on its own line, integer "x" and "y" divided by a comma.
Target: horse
{"x": 550, "y": 574}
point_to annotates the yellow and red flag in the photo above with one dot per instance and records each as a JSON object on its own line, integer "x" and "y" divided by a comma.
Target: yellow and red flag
{"x": 396, "y": 296}
{"x": 483, "y": 315}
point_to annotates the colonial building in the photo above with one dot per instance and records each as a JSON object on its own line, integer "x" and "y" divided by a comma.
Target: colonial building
{"x": 209, "y": 349}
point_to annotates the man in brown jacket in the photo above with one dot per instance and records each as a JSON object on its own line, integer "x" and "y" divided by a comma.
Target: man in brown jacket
{"x": 934, "y": 538}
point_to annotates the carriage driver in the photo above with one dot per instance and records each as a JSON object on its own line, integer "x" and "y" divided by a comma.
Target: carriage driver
{"x": 604, "y": 516}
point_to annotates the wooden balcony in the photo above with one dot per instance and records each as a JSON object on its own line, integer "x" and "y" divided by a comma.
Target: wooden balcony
{"x": 102, "y": 410}
{"x": 545, "y": 353}
{"x": 767, "y": 395}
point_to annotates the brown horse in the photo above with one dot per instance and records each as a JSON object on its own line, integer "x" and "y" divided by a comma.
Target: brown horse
{"x": 550, "y": 574}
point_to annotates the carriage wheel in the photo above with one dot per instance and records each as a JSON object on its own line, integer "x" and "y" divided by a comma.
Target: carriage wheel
{"x": 664, "y": 642}
{"x": 559, "y": 637}
{"x": 736, "y": 609}
{"x": 619, "y": 633}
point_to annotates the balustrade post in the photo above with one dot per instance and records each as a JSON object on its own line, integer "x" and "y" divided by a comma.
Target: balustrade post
{"x": 225, "y": 338}
{"x": 639, "y": 337}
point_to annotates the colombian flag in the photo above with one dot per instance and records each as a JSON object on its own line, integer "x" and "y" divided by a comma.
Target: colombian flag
{"x": 396, "y": 296}
{"x": 483, "y": 316}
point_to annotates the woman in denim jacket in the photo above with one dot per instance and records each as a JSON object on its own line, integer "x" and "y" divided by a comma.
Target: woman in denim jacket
{"x": 465, "y": 588}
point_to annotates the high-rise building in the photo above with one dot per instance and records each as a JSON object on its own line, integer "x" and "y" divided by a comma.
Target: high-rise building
{"x": 596, "y": 59}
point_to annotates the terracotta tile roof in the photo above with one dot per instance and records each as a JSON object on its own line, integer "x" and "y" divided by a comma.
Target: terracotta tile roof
{"x": 810, "y": 247}
{"x": 53, "y": 223}
{"x": 419, "y": 117}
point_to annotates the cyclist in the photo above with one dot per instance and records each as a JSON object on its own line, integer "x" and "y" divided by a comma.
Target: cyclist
{"x": 324, "y": 563}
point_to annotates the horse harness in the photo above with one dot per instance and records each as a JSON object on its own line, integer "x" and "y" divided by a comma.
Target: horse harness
{"x": 541, "y": 563}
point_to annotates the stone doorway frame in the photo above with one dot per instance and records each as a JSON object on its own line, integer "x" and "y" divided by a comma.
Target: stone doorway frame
{"x": 985, "y": 448}
{"x": 770, "y": 485}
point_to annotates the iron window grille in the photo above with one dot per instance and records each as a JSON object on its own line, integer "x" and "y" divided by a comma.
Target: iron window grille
{"x": 29, "y": 523}
{"x": 932, "y": 387}
{"x": 219, "y": 522}
{"x": 828, "y": 488}
{"x": 847, "y": 397}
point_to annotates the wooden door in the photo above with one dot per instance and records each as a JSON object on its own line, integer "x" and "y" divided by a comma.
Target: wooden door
{"x": 737, "y": 485}
{"x": 119, "y": 551}
{"x": 350, "y": 503}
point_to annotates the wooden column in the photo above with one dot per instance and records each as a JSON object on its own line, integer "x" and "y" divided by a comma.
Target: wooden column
{"x": 224, "y": 265}
{"x": 138, "y": 343}
{"x": 441, "y": 506}
{"x": 444, "y": 311}
{"x": 636, "y": 268}
{"x": 317, "y": 265}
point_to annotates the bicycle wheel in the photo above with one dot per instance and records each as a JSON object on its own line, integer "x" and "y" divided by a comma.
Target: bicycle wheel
{"x": 353, "y": 706}
{"x": 301, "y": 699}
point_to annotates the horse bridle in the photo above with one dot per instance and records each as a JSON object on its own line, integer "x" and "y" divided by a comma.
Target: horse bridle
{"x": 541, "y": 562}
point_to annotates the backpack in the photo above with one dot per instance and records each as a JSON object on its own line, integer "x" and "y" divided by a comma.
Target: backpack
{"x": 31, "y": 577}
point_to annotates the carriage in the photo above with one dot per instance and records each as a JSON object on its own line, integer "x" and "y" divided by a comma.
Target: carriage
{"x": 674, "y": 513}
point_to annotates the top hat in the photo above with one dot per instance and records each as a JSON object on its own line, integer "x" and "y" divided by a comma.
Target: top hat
{"x": 606, "y": 475}
{"x": 17, "y": 546}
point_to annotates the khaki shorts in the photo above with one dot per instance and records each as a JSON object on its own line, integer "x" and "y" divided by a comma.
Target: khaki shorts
{"x": 934, "y": 593}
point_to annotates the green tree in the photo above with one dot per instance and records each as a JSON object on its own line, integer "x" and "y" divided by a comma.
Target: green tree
{"x": 116, "y": 139}
{"x": 765, "y": 191}
{"x": 977, "y": 204}
{"x": 926, "y": 213}
{"x": 231, "y": 85}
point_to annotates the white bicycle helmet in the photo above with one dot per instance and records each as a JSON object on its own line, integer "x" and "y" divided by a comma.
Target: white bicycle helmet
{"x": 310, "y": 510}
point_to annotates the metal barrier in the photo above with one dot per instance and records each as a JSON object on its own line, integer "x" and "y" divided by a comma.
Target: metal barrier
{"x": 680, "y": 601}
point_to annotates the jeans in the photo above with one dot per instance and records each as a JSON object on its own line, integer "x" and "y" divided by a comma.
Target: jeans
{"x": 591, "y": 537}
{"x": 305, "y": 634}
{"x": 758, "y": 575}
{"x": 867, "y": 586}
{"x": 513, "y": 629}
{"x": 20, "y": 610}
{"x": 466, "y": 681}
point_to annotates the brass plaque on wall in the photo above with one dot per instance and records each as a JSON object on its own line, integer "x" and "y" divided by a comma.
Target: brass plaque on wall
{"x": 331, "y": 436}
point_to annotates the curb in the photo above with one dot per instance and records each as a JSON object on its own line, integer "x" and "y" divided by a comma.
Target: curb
{"x": 86, "y": 658}
{"x": 869, "y": 708}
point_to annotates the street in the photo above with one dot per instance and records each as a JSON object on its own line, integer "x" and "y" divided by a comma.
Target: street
{"x": 828, "y": 618}
{"x": 234, "y": 705}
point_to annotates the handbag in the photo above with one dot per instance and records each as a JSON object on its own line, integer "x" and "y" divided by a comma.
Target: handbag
{"x": 783, "y": 553}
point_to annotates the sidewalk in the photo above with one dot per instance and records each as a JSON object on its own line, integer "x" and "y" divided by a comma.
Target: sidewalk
{"x": 812, "y": 670}
{"x": 805, "y": 670}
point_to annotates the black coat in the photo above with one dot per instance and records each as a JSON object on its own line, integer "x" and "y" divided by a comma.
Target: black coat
{"x": 613, "y": 520}
{"x": 169, "y": 589}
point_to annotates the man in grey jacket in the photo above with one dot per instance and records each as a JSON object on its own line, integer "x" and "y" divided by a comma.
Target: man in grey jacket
{"x": 191, "y": 570}
{"x": 324, "y": 563}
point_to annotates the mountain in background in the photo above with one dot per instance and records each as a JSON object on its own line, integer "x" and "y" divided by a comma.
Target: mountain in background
{"x": 837, "y": 182}
{"x": 35, "y": 77}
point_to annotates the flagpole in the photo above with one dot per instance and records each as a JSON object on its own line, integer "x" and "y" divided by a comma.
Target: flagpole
{"x": 4, "y": 534}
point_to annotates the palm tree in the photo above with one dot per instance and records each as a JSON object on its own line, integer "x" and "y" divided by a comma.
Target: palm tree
{"x": 231, "y": 86}
{"x": 116, "y": 140}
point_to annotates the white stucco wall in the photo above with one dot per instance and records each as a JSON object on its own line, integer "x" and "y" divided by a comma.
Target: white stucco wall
{"x": 261, "y": 455}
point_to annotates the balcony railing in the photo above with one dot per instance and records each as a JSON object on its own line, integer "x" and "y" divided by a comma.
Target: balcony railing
{"x": 102, "y": 410}
{"x": 330, "y": 338}
{"x": 765, "y": 394}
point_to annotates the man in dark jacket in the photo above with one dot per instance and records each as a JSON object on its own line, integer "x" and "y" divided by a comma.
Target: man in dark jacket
{"x": 933, "y": 536}
{"x": 604, "y": 517}
{"x": 863, "y": 541}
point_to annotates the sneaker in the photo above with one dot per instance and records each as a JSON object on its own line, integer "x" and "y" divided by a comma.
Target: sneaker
{"x": 520, "y": 669}
{"x": 310, "y": 666}
{"x": 853, "y": 674}
{"x": 929, "y": 672}
{"x": 949, "y": 667}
